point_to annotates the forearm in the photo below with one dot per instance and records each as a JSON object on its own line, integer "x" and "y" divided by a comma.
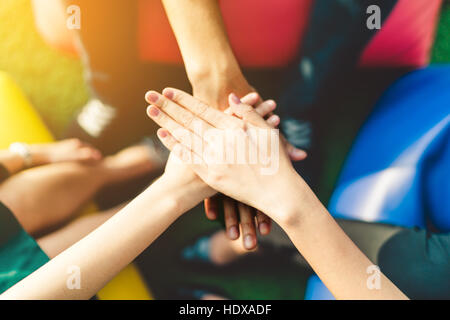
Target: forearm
{"x": 202, "y": 38}
{"x": 108, "y": 249}
{"x": 14, "y": 162}
{"x": 330, "y": 252}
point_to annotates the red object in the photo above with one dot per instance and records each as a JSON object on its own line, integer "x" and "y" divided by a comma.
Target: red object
{"x": 268, "y": 33}
{"x": 406, "y": 37}
{"x": 263, "y": 33}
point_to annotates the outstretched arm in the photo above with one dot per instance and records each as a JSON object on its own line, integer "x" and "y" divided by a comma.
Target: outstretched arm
{"x": 210, "y": 63}
{"x": 104, "y": 252}
{"x": 282, "y": 194}
{"x": 22, "y": 156}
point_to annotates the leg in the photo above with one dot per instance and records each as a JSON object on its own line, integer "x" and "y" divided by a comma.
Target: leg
{"x": 46, "y": 196}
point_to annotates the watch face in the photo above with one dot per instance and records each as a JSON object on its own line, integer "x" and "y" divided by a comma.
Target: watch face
{"x": 22, "y": 150}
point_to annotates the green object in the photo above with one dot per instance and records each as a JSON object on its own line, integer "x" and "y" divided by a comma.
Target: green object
{"x": 422, "y": 256}
{"x": 441, "y": 49}
{"x": 20, "y": 255}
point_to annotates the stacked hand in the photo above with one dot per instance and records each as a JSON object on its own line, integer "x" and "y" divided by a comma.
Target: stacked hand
{"x": 235, "y": 212}
{"x": 192, "y": 131}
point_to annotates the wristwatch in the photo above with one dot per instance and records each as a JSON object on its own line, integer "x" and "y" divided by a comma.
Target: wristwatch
{"x": 22, "y": 150}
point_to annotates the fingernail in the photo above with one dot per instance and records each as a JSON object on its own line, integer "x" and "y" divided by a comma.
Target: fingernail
{"x": 235, "y": 98}
{"x": 263, "y": 228}
{"x": 212, "y": 215}
{"x": 152, "y": 97}
{"x": 274, "y": 120}
{"x": 272, "y": 103}
{"x": 253, "y": 95}
{"x": 162, "y": 133}
{"x": 168, "y": 93}
{"x": 248, "y": 242}
{"x": 153, "y": 111}
{"x": 298, "y": 153}
{"x": 233, "y": 233}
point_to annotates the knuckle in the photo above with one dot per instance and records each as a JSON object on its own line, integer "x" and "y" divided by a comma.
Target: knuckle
{"x": 231, "y": 218}
{"x": 248, "y": 226}
{"x": 186, "y": 119}
{"x": 164, "y": 103}
{"x": 76, "y": 142}
{"x": 201, "y": 108}
{"x": 247, "y": 109}
{"x": 215, "y": 177}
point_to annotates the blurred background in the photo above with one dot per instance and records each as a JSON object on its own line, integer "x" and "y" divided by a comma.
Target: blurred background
{"x": 53, "y": 82}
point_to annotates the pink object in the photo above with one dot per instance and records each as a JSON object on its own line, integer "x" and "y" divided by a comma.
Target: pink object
{"x": 268, "y": 33}
{"x": 263, "y": 33}
{"x": 406, "y": 37}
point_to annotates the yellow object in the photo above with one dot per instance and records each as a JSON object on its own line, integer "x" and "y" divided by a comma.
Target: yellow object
{"x": 134, "y": 290}
{"x": 19, "y": 122}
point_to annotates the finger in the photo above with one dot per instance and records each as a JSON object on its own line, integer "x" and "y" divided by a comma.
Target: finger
{"x": 295, "y": 154}
{"x": 248, "y": 226}
{"x": 184, "y": 117}
{"x": 273, "y": 121}
{"x": 87, "y": 154}
{"x": 231, "y": 218}
{"x": 264, "y": 223}
{"x": 252, "y": 99}
{"x": 167, "y": 139}
{"x": 212, "y": 207}
{"x": 74, "y": 142}
{"x": 214, "y": 117}
{"x": 190, "y": 140}
{"x": 245, "y": 111}
{"x": 182, "y": 152}
{"x": 87, "y": 145}
{"x": 266, "y": 107}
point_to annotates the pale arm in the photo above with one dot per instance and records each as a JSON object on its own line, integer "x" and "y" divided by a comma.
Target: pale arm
{"x": 330, "y": 252}
{"x": 108, "y": 249}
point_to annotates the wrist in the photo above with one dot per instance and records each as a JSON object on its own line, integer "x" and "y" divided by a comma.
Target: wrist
{"x": 221, "y": 70}
{"x": 38, "y": 157}
{"x": 183, "y": 194}
{"x": 214, "y": 86}
{"x": 289, "y": 208}
{"x": 23, "y": 151}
